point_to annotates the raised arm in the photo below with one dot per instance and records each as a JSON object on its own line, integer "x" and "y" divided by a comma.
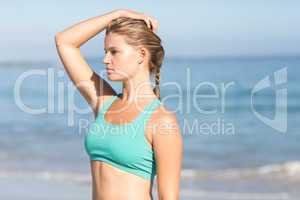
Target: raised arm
{"x": 93, "y": 88}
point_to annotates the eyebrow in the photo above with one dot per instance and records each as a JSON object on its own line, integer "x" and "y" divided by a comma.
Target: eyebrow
{"x": 110, "y": 48}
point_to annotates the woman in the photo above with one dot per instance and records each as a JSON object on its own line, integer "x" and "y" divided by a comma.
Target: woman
{"x": 124, "y": 162}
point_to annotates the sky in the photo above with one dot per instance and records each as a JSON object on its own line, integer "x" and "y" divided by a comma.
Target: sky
{"x": 187, "y": 28}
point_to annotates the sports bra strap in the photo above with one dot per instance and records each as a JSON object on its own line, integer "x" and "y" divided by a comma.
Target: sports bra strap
{"x": 148, "y": 110}
{"x": 107, "y": 104}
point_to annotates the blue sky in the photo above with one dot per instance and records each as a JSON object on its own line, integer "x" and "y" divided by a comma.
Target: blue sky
{"x": 187, "y": 28}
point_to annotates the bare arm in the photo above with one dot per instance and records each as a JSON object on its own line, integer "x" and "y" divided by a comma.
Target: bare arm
{"x": 168, "y": 148}
{"x": 93, "y": 88}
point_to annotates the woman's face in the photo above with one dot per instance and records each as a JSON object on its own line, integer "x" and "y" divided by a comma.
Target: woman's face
{"x": 121, "y": 59}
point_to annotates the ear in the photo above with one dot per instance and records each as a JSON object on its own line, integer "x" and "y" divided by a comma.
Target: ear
{"x": 143, "y": 55}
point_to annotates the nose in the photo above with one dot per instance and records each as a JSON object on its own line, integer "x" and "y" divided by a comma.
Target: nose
{"x": 106, "y": 59}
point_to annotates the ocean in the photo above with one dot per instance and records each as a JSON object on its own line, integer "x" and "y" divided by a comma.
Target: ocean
{"x": 239, "y": 119}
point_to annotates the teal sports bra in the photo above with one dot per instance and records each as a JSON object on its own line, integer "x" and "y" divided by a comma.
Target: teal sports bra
{"x": 123, "y": 146}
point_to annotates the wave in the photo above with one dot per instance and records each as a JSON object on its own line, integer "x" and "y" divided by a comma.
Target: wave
{"x": 289, "y": 169}
{"x": 48, "y": 175}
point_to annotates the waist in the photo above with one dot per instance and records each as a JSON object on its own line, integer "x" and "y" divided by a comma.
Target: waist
{"x": 106, "y": 179}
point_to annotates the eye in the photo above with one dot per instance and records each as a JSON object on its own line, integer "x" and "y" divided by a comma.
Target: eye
{"x": 111, "y": 51}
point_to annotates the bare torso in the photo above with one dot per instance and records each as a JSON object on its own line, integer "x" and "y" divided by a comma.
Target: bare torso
{"x": 111, "y": 183}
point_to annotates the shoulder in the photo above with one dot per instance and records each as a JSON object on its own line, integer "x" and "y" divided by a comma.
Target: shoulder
{"x": 166, "y": 124}
{"x": 164, "y": 116}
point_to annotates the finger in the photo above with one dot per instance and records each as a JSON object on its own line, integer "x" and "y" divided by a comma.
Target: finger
{"x": 152, "y": 23}
{"x": 147, "y": 20}
{"x": 155, "y": 25}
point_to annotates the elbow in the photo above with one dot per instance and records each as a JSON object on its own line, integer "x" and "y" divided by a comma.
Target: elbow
{"x": 62, "y": 39}
{"x": 58, "y": 39}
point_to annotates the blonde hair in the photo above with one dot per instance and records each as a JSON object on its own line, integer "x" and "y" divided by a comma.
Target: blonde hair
{"x": 137, "y": 34}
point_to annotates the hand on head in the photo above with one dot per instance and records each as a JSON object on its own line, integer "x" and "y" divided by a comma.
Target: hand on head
{"x": 151, "y": 22}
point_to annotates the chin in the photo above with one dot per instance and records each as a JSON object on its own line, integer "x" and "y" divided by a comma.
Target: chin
{"x": 114, "y": 78}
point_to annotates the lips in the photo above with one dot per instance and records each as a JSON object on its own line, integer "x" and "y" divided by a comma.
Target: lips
{"x": 109, "y": 70}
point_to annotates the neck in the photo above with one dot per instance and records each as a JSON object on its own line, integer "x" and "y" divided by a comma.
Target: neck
{"x": 135, "y": 89}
